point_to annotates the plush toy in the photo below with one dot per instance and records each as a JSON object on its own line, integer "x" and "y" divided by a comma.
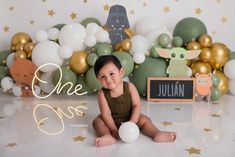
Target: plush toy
{"x": 203, "y": 86}
{"x": 177, "y": 65}
{"x": 22, "y": 71}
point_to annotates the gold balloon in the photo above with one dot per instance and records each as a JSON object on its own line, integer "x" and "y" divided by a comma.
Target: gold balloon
{"x": 126, "y": 44}
{"x": 28, "y": 48}
{"x": 20, "y": 38}
{"x": 220, "y": 55}
{"x": 20, "y": 55}
{"x": 188, "y": 62}
{"x": 224, "y": 82}
{"x": 205, "y": 40}
{"x": 129, "y": 32}
{"x": 117, "y": 47}
{"x": 205, "y": 55}
{"x": 193, "y": 45}
{"x": 200, "y": 67}
{"x": 19, "y": 47}
{"x": 78, "y": 62}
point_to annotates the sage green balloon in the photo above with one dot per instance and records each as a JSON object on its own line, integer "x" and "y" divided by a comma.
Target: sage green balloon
{"x": 95, "y": 48}
{"x": 67, "y": 76}
{"x": 91, "y": 81}
{"x": 153, "y": 51}
{"x": 104, "y": 49}
{"x": 91, "y": 59}
{"x": 4, "y": 72}
{"x": 90, "y": 20}
{"x": 215, "y": 81}
{"x": 3, "y": 56}
{"x": 163, "y": 40}
{"x": 231, "y": 55}
{"x": 189, "y": 29}
{"x": 85, "y": 88}
{"x": 58, "y": 26}
{"x": 151, "y": 67}
{"x": 215, "y": 94}
{"x": 126, "y": 61}
{"x": 177, "y": 41}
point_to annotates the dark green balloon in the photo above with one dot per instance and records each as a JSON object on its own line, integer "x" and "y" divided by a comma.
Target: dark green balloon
{"x": 4, "y": 72}
{"x": 215, "y": 94}
{"x": 91, "y": 59}
{"x": 189, "y": 29}
{"x": 151, "y": 67}
{"x": 85, "y": 88}
{"x": 163, "y": 40}
{"x": 3, "y": 56}
{"x": 177, "y": 41}
{"x": 67, "y": 76}
{"x": 59, "y": 26}
{"x": 90, "y": 20}
{"x": 91, "y": 80}
{"x": 126, "y": 61}
{"x": 104, "y": 49}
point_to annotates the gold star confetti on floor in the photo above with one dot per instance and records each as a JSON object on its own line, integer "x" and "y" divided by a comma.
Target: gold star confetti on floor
{"x": 193, "y": 150}
{"x": 165, "y": 123}
{"x": 198, "y": 11}
{"x": 6, "y": 29}
{"x": 106, "y": 7}
{"x": 166, "y": 9}
{"x": 177, "y": 108}
{"x": 215, "y": 115}
{"x": 224, "y": 19}
{"x": 132, "y": 12}
{"x": 11, "y": 8}
{"x": 73, "y": 15}
{"x": 1, "y": 117}
{"x": 31, "y": 22}
{"x": 207, "y": 130}
{"x": 51, "y": 13}
{"x": 79, "y": 138}
{"x": 11, "y": 145}
{"x": 216, "y": 103}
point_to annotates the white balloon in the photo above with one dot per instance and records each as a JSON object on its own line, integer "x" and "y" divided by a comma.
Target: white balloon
{"x": 129, "y": 132}
{"x": 138, "y": 57}
{"x": 73, "y": 35}
{"x": 53, "y": 33}
{"x": 146, "y": 25}
{"x": 46, "y": 52}
{"x": 65, "y": 52}
{"x": 9, "y": 110}
{"x": 232, "y": 86}
{"x": 90, "y": 40}
{"x": 189, "y": 72}
{"x": 153, "y": 35}
{"x": 102, "y": 36}
{"x": 41, "y": 35}
{"x": 16, "y": 90}
{"x": 10, "y": 60}
{"x": 92, "y": 28}
{"x": 228, "y": 69}
{"x": 139, "y": 43}
{"x": 7, "y": 83}
{"x": 37, "y": 90}
{"x": 48, "y": 86}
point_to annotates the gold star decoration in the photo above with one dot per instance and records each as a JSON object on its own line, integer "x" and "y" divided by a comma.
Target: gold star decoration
{"x": 217, "y": 1}
{"x": 144, "y": 4}
{"x": 79, "y": 138}
{"x": 106, "y": 7}
{"x": 51, "y": 13}
{"x": 177, "y": 108}
{"x": 31, "y": 22}
{"x": 6, "y": 29}
{"x": 132, "y": 12}
{"x": 165, "y": 123}
{"x": 166, "y": 9}
{"x": 224, "y": 19}
{"x": 215, "y": 115}
{"x": 193, "y": 150}
{"x": 11, "y": 145}
{"x": 73, "y": 15}
{"x": 207, "y": 129}
{"x": 44, "y": 0}
{"x": 198, "y": 11}
{"x": 11, "y": 8}
{"x": 213, "y": 32}
{"x": 85, "y": 1}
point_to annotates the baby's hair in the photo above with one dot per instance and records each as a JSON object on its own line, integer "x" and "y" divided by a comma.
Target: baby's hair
{"x": 105, "y": 59}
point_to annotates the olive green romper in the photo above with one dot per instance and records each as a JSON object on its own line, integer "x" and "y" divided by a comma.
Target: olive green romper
{"x": 121, "y": 106}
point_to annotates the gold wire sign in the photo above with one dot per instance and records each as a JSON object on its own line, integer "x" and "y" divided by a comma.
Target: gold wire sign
{"x": 59, "y": 112}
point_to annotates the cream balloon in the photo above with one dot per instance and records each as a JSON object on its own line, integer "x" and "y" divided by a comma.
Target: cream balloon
{"x": 228, "y": 69}
{"x": 41, "y": 35}
{"x": 145, "y": 25}
{"x": 139, "y": 43}
{"x": 129, "y": 132}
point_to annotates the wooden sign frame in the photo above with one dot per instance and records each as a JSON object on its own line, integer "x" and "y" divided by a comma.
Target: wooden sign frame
{"x": 188, "y": 81}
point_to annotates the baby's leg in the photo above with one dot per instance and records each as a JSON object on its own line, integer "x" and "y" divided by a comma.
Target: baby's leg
{"x": 149, "y": 129}
{"x": 104, "y": 137}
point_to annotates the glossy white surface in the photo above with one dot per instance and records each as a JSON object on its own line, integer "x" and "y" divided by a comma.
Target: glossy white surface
{"x": 205, "y": 126}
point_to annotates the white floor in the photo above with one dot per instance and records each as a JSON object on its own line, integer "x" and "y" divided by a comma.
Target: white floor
{"x": 203, "y": 129}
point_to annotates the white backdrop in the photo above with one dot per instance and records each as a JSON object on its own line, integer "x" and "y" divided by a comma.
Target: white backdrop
{"x": 32, "y": 15}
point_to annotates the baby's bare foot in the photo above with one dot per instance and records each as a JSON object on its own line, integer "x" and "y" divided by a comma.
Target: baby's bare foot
{"x": 164, "y": 136}
{"x": 105, "y": 141}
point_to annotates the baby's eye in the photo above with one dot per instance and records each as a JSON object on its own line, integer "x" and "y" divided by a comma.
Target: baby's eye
{"x": 111, "y": 74}
{"x": 101, "y": 77}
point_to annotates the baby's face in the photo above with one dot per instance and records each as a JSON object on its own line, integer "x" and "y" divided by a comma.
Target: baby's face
{"x": 110, "y": 76}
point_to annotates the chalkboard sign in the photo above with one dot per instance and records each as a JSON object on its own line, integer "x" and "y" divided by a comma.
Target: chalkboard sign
{"x": 170, "y": 89}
